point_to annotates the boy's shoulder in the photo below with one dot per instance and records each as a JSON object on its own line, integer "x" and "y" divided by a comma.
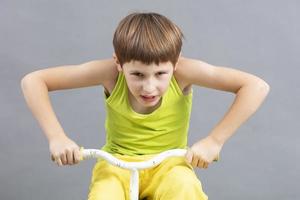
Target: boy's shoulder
{"x": 180, "y": 74}
{"x": 111, "y": 73}
{"x": 194, "y": 71}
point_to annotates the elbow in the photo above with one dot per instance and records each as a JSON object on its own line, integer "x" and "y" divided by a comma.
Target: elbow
{"x": 265, "y": 87}
{"x": 268, "y": 87}
{"x": 29, "y": 80}
{"x": 262, "y": 86}
{"x": 257, "y": 85}
{"x": 24, "y": 81}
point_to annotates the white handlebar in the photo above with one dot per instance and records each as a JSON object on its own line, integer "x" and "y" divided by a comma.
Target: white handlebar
{"x": 95, "y": 153}
{"x": 132, "y": 166}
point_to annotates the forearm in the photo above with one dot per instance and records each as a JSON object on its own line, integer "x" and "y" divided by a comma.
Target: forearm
{"x": 247, "y": 101}
{"x": 36, "y": 95}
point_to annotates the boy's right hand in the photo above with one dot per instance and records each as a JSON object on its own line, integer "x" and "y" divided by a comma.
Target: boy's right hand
{"x": 64, "y": 151}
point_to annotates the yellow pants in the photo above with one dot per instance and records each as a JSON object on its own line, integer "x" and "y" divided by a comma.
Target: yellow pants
{"x": 173, "y": 179}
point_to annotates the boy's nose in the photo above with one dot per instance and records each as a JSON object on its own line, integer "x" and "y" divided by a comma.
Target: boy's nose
{"x": 148, "y": 87}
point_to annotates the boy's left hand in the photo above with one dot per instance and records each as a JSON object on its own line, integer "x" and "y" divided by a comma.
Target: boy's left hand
{"x": 204, "y": 152}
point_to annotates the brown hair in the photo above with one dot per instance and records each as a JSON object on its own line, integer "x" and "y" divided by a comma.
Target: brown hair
{"x": 147, "y": 37}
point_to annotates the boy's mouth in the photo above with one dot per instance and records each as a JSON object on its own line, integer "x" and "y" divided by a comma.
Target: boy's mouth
{"x": 148, "y": 98}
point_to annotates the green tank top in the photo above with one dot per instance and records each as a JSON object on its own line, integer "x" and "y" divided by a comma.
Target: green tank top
{"x": 132, "y": 133}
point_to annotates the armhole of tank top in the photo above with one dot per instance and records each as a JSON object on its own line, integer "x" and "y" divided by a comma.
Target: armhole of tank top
{"x": 178, "y": 89}
{"x": 114, "y": 90}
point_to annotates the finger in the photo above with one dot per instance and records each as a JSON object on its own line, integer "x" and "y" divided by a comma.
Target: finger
{"x": 205, "y": 165}
{"x": 69, "y": 157}
{"x": 195, "y": 161}
{"x": 217, "y": 158}
{"x": 52, "y": 158}
{"x": 200, "y": 163}
{"x": 77, "y": 156}
{"x": 189, "y": 156}
{"x": 56, "y": 159}
{"x": 63, "y": 158}
{"x": 59, "y": 162}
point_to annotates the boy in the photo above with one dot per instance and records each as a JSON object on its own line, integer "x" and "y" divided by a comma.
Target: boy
{"x": 148, "y": 92}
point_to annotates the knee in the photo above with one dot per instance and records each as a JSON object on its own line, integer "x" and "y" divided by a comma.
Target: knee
{"x": 180, "y": 183}
{"x": 182, "y": 178}
{"x": 107, "y": 189}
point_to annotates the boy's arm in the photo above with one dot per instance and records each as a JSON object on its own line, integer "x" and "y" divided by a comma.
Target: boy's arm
{"x": 97, "y": 72}
{"x": 250, "y": 92}
{"x": 35, "y": 87}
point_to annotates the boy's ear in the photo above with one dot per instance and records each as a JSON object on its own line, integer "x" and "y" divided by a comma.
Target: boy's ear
{"x": 117, "y": 62}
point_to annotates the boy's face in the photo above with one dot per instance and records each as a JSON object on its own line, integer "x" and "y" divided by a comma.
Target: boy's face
{"x": 147, "y": 83}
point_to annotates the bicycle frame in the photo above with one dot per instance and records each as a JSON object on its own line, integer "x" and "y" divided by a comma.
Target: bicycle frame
{"x": 134, "y": 167}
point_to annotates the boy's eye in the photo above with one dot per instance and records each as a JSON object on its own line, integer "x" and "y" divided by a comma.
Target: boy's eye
{"x": 142, "y": 75}
{"x": 161, "y": 73}
{"x": 138, "y": 74}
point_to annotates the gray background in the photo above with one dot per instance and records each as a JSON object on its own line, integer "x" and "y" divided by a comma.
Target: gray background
{"x": 261, "y": 161}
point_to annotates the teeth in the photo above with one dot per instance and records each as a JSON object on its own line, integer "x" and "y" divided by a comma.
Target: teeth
{"x": 149, "y": 97}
